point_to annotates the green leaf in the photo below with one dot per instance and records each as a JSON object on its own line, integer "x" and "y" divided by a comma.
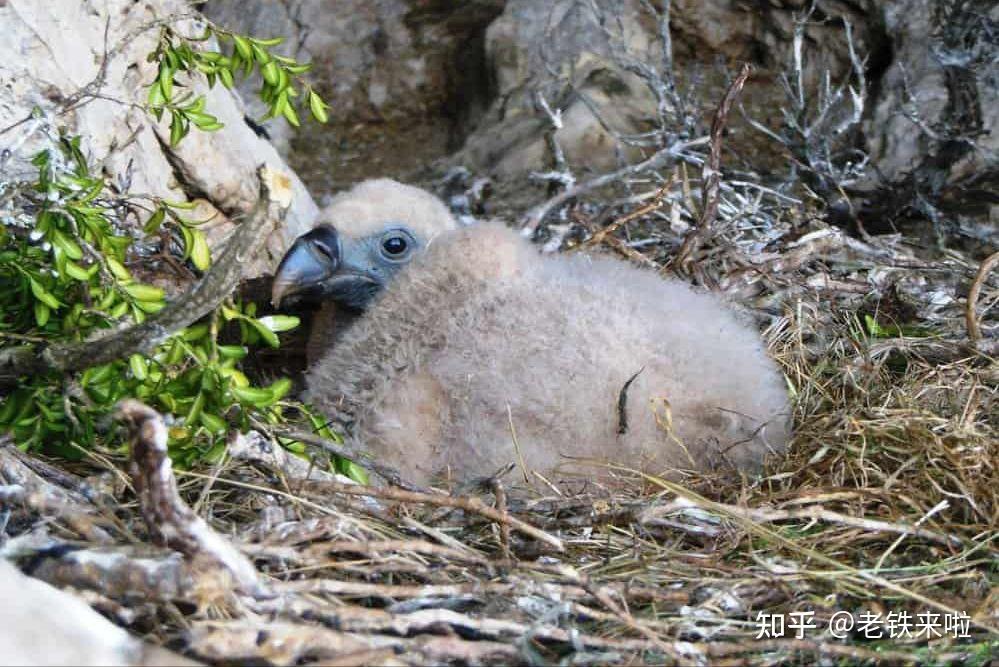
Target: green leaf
{"x": 272, "y": 41}
{"x": 213, "y": 423}
{"x": 141, "y": 292}
{"x": 354, "y": 471}
{"x": 155, "y": 97}
{"x": 138, "y": 365}
{"x": 253, "y": 395}
{"x": 116, "y": 267}
{"x": 298, "y": 68}
{"x": 77, "y": 272}
{"x": 195, "y": 332}
{"x": 230, "y": 314}
{"x": 66, "y": 244}
{"x": 318, "y": 107}
{"x": 280, "y": 388}
{"x": 232, "y": 351}
{"x": 177, "y": 130}
{"x": 289, "y": 113}
{"x": 225, "y": 76}
{"x": 45, "y": 297}
{"x": 271, "y": 73}
{"x": 269, "y": 336}
{"x": 166, "y": 80}
{"x": 150, "y": 306}
{"x": 278, "y": 323}
{"x": 200, "y": 254}
{"x": 119, "y": 311}
{"x": 196, "y": 407}
{"x": 260, "y": 55}
{"x": 242, "y": 47}
{"x": 155, "y": 220}
{"x": 42, "y": 313}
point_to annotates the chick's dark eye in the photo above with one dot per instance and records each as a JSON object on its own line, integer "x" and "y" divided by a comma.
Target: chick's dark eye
{"x": 395, "y": 245}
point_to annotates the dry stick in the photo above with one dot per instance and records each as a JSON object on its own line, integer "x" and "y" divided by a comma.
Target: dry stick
{"x": 654, "y": 205}
{"x": 970, "y": 318}
{"x": 711, "y": 174}
{"x": 504, "y": 526}
{"x": 203, "y": 298}
{"x": 469, "y": 504}
{"x": 170, "y": 520}
{"x": 660, "y": 158}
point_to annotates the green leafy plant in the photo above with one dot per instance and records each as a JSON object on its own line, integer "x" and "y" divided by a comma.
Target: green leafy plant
{"x": 65, "y": 271}
{"x": 278, "y": 74}
{"x": 64, "y": 265}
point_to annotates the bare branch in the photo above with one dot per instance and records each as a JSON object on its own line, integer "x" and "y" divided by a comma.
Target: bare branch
{"x": 170, "y": 520}
{"x": 971, "y": 319}
{"x": 661, "y": 158}
{"x": 711, "y": 174}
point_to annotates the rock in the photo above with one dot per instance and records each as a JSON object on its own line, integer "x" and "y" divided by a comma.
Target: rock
{"x": 944, "y": 77}
{"x": 42, "y": 625}
{"x": 573, "y": 58}
{"x": 45, "y": 64}
{"x": 403, "y": 77}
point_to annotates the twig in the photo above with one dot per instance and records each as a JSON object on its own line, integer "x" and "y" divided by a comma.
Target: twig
{"x": 469, "y": 504}
{"x": 170, "y": 520}
{"x": 711, "y": 174}
{"x": 660, "y": 158}
{"x": 654, "y": 205}
{"x": 970, "y": 318}
{"x": 504, "y": 526}
{"x": 201, "y": 299}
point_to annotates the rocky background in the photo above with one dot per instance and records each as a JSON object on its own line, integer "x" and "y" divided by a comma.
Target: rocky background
{"x": 419, "y": 87}
{"x": 418, "y": 82}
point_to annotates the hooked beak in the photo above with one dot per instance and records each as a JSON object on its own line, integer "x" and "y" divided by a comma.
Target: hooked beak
{"x": 311, "y": 260}
{"x": 320, "y": 265}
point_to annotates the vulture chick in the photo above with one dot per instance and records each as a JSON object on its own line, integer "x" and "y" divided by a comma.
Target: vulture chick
{"x": 475, "y": 351}
{"x": 373, "y": 213}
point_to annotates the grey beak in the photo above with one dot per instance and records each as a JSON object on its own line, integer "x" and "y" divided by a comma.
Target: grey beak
{"x": 312, "y": 259}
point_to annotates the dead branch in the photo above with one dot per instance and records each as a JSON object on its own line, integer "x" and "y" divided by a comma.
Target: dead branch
{"x": 711, "y": 175}
{"x": 169, "y": 519}
{"x": 657, "y": 201}
{"x": 970, "y": 318}
{"x": 357, "y": 619}
{"x": 468, "y": 504}
{"x": 761, "y": 515}
{"x": 661, "y": 158}
{"x": 560, "y": 174}
{"x": 284, "y": 643}
{"x": 504, "y": 526}
{"x": 125, "y": 573}
{"x": 201, "y": 299}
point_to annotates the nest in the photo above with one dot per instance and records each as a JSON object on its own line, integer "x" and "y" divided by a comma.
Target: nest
{"x": 886, "y": 507}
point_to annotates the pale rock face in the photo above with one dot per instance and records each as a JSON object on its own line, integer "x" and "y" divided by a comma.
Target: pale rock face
{"x": 399, "y": 59}
{"x": 926, "y": 77}
{"x": 41, "y": 625}
{"x": 51, "y": 50}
